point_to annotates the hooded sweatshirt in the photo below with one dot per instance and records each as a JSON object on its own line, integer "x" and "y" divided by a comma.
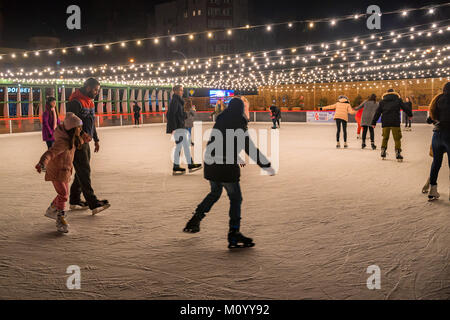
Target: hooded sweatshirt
{"x": 389, "y": 109}
{"x": 216, "y": 167}
{"x": 83, "y": 107}
{"x": 343, "y": 108}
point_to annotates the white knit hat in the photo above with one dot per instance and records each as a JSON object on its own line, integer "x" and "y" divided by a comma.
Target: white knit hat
{"x": 72, "y": 121}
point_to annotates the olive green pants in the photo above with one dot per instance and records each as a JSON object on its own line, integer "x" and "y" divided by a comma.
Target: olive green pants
{"x": 396, "y": 132}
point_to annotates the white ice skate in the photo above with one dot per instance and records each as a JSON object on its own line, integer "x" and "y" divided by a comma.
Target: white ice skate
{"x": 52, "y": 212}
{"x": 434, "y": 194}
{"x": 61, "y": 223}
{"x": 338, "y": 145}
{"x": 345, "y": 145}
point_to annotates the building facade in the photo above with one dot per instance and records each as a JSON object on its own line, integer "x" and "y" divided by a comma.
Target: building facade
{"x": 190, "y": 16}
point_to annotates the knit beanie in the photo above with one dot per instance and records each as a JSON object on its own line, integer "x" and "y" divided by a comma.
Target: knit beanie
{"x": 72, "y": 121}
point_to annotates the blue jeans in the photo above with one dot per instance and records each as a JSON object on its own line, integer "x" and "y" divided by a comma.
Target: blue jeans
{"x": 182, "y": 141}
{"x": 441, "y": 145}
{"x": 235, "y": 196}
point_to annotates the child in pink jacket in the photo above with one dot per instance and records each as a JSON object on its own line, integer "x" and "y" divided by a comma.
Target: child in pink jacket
{"x": 58, "y": 161}
{"x": 343, "y": 109}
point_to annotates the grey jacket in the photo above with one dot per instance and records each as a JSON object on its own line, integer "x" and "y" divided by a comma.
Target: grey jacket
{"x": 370, "y": 107}
{"x": 189, "y": 122}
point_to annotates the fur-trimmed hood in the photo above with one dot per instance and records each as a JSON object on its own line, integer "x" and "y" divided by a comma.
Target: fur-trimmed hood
{"x": 391, "y": 96}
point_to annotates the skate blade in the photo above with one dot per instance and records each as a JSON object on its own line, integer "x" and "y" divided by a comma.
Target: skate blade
{"x": 100, "y": 209}
{"x": 398, "y": 160}
{"x": 195, "y": 170}
{"x": 240, "y": 246}
{"x": 190, "y": 231}
{"x": 178, "y": 173}
{"x": 78, "y": 208}
{"x": 50, "y": 216}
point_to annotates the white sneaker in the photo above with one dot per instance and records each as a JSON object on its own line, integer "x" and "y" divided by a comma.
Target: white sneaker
{"x": 61, "y": 223}
{"x": 52, "y": 212}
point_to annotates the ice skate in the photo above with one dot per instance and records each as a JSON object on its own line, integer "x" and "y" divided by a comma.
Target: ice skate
{"x": 338, "y": 145}
{"x": 61, "y": 223}
{"x": 426, "y": 187}
{"x": 193, "y": 226}
{"x": 100, "y": 206}
{"x": 383, "y": 153}
{"x": 81, "y": 205}
{"x": 374, "y": 147}
{"x": 178, "y": 171}
{"x": 434, "y": 194}
{"x": 398, "y": 155}
{"x": 345, "y": 145}
{"x": 358, "y": 137}
{"x": 52, "y": 212}
{"x": 237, "y": 240}
{"x": 363, "y": 146}
{"x": 194, "y": 167}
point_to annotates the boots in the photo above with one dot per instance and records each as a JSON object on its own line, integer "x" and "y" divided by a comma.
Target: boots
{"x": 398, "y": 155}
{"x": 193, "y": 226}
{"x": 383, "y": 153}
{"x": 338, "y": 145}
{"x": 374, "y": 147}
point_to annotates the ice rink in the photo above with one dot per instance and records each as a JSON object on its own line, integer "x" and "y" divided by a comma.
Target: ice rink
{"x": 318, "y": 225}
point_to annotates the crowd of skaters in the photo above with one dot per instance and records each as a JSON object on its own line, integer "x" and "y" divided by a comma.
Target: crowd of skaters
{"x": 69, "y": 147}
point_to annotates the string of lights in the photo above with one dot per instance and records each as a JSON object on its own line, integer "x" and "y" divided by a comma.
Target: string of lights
{"x": 430, "y": 10}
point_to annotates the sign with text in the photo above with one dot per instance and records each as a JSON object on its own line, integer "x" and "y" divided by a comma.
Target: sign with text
{"x": 320, "y": 116}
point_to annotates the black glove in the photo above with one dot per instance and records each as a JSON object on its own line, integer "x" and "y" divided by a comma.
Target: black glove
{"x": 429, "y": 120}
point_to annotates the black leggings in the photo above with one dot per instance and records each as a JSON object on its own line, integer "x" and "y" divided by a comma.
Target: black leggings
{"x": 137, "y": 120}
{"x": 372, "y": 133}
{"x": 344, "y": 127}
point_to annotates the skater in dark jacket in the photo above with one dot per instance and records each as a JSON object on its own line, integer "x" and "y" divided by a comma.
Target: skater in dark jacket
{"x": 408, "y": 121}
{"x": 440, "y": 116}
{"x": 137, "y": 114}
{"x": 176, "y": 125}
{"x": 390, "y": 109}
{"x": 223, "y": 169}
{"x": 82, "y": 105}
{"x": 275, "y": 116}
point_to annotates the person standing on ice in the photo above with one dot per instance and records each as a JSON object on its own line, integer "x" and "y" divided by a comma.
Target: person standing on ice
{"x": 275, "y": 116}
{"x": 82, "y": 105}
{"x": 58, "y": 161}
{"x": 343, "y": 109}
{"x": 50, "y": 121}
{"x": 369, "y": 107}
{"x": 176, "y": 125}
{"x": 389, "y": 109}
{"x": 222, "y": 169}
{"x": 189, "y": 121}
{"x": 137, "y": 114}
{"x": 439, "y": 115}
{"x": 408, "y": 121}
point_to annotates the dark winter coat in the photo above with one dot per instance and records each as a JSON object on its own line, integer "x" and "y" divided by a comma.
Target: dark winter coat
{"x": 137, "y": 111}
{"x": 276, "y": 112}
{"x": 232, "y": 118}
{"x": 440, "y": 112}
{"x": 83, "y": 107}
{"x": 175, "y": 114}
{"x": 390, "y": 109}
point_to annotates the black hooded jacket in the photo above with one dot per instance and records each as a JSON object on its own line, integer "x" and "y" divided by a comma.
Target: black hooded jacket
{"x": 216, "y": 167}
{"x": 389, "y": 110}
{"x": 442, "y": 113}
{"x": 175, "y": 114}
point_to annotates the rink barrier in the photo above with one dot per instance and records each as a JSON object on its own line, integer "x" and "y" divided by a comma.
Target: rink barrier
{"x": 12, "y": 125}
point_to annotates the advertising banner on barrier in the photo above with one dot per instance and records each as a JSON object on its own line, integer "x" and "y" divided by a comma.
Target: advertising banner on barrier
{"x": 320, "y": 116}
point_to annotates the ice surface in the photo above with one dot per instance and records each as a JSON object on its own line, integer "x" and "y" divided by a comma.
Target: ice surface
{"x": 318, "y": 225}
